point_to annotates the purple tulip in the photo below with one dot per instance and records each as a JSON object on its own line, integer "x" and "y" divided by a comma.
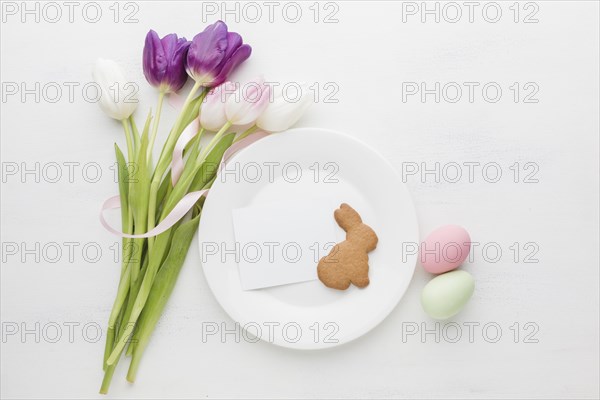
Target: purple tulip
{"x": 214, "y": 54}
{"x": 164, "y": 61}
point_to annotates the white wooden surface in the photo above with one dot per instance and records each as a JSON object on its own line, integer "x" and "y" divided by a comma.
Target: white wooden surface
{"x": 367, "y": 54}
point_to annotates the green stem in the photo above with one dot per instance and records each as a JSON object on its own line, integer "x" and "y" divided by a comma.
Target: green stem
{"x": 122, "y": 291}
{"x": 250, "y": 130}
{"x": 111, "y": 334}
{"x": 120, "y": 317}
{"x": 163, "y": 162}
{"x": 161, "y": 97}
{"x": 108, "y": 346}
{"x": 132, "y": 295}
{"x": 119, "y": 328}
{"x": 154, "y": 186}
{"x": 212, "y": 143}
{"x": 200, "y": 134}
{"x": 167, "y": 151}
{"x": 108, "y": 374}
{"x": 137, "y": 247}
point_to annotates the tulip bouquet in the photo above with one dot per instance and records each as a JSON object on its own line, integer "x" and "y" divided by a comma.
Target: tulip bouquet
{"x": 161, "y": 202}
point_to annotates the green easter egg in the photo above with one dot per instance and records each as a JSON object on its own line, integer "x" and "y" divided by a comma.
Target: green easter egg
{"x": 446, "y": 294}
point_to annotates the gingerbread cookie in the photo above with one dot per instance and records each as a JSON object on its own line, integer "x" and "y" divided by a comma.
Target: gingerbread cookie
{"x": 348, "y": 261}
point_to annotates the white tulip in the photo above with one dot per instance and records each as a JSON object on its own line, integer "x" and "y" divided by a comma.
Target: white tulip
{"x": 248, "y": 102}
{"x": 118, "y": 96}
{"x": 212, "y": 113}
{"x": 285, "y": 109}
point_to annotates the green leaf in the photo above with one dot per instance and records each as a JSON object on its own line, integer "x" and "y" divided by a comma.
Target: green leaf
{"x": 155, "y": 257}
{"x": 138, "y": 201}
{"x": 164, "y": 189}
{"x": 210, "y": 166}
{"x": 123, "y": 175}
{"x": 136, "y": 133}
{"x": 161, "y": 290}
{"x": 190, "y": 161}
{"x": 192, "y": 111}
{"x": 140, "y": 186}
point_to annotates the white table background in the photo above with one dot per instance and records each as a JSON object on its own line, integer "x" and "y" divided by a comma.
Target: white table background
{"x": 367, "y": 55}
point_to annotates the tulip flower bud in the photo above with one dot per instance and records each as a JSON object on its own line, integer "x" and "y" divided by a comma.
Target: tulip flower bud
{"x": 212, "y": 113}
{"x": 164, "y": 61}
{"x": 118, "y": 97}
{"x": 248, "y": 102}
{"x": 214, "y": 54}
{"x": 285, "y": 110}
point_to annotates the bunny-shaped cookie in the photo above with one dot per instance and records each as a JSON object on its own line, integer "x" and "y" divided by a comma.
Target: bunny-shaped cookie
{"x": 348, "y": 261}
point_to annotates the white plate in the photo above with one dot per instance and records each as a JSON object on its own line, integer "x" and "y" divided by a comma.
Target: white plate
{"x": 309, "y": 315}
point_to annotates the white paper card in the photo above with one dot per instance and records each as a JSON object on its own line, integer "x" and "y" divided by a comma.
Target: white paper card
{"x": 281, "y": 243}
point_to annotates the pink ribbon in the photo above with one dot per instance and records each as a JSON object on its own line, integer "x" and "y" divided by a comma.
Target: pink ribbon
{"x": 187, "y": 202}
{"x": 178, "y": 212}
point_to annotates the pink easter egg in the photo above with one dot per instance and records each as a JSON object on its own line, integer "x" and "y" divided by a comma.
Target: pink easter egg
{"x": 445, "y": 249}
